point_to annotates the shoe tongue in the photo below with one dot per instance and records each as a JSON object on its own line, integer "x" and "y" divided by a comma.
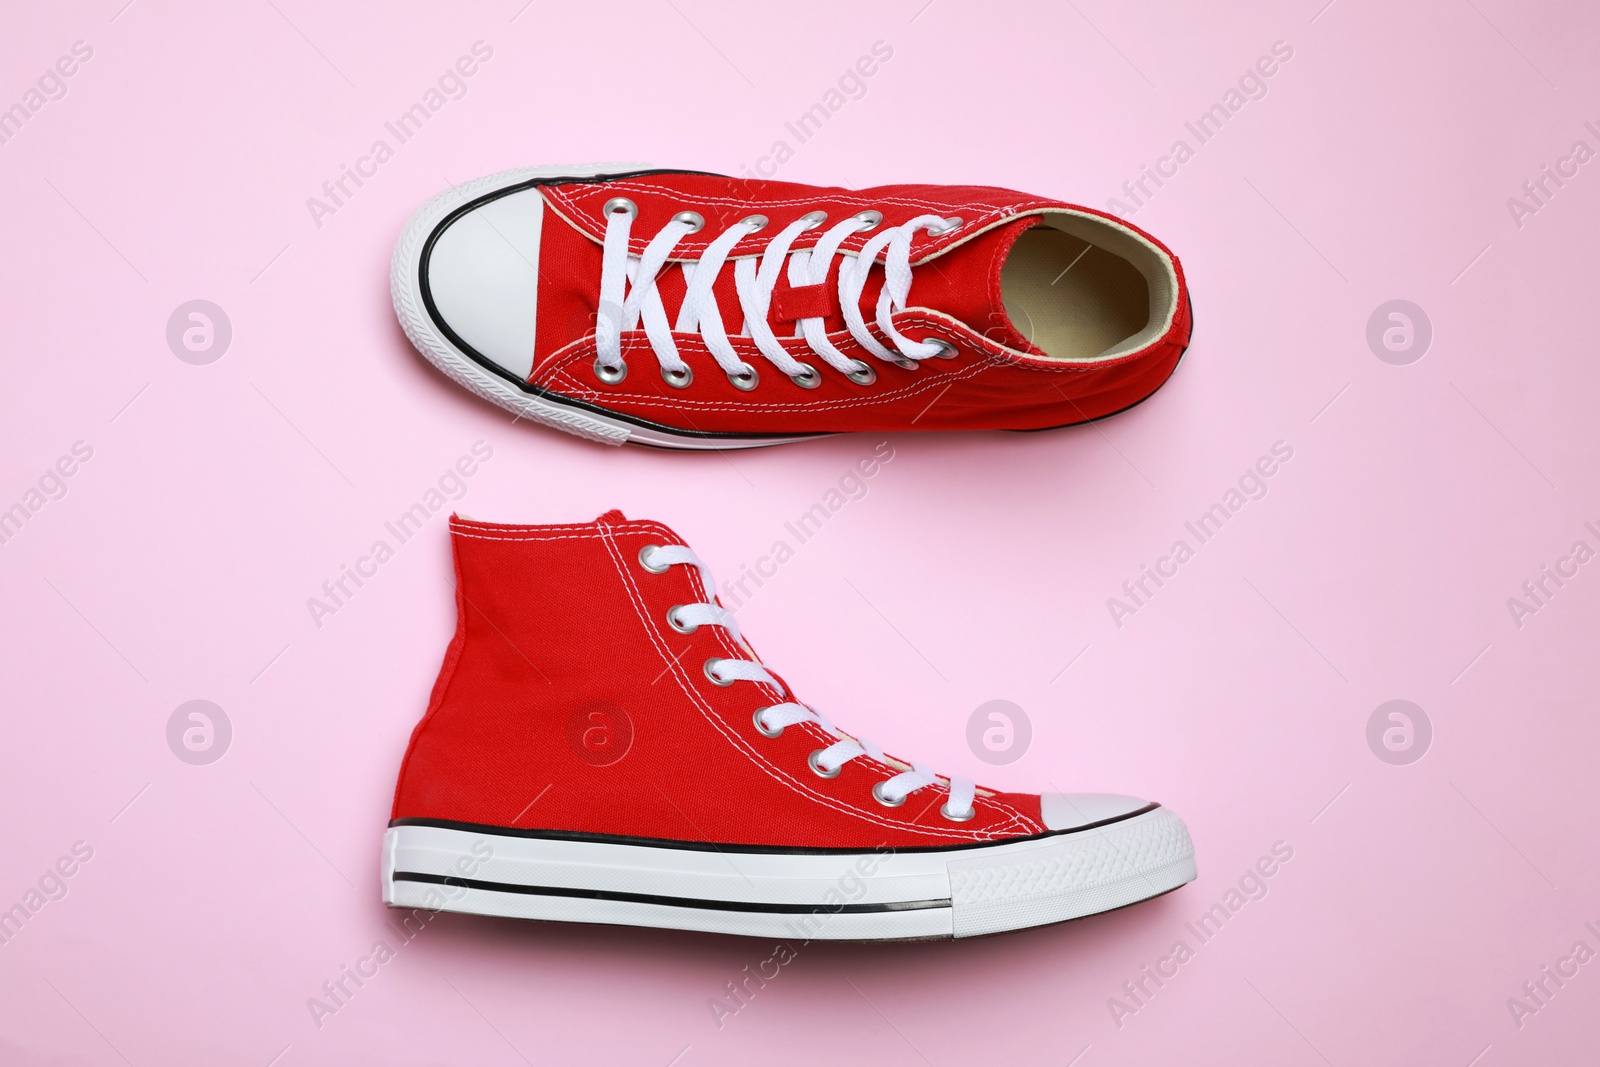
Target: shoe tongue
{"x": 613, "y": 517}
{"x": 964, "y": 283}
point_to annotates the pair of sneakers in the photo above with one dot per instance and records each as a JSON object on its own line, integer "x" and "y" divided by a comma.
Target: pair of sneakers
{"x": 603, "y": 744}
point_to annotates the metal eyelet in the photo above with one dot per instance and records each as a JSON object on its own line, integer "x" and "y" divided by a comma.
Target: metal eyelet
{"x": 694, "y": 219}
{"x": 869, "y": 220}
{"x": 681, "y": 627}
{"x": 814, "y": 219}
{"x": 808, "y": 378}
{"x": 946, "y": 226}
{"x": 863, "y": 374}
{"x": 818, "y": 769}
{"x": 610, "y": 375}
{"x": 644, "y": 560}
{"x": 946, "y": 349}
{"x": 906, "y": 364}
{"x": 755, "y": 222}
{"x": 877, "y": 794}
{"x": 620, "y": 203}
{"x": 710, "y": 668}
{"x": 944, "y": 809}
{"x": 762, "y": 727}
{"x": 678, "y": 379}
{"x": 746, "y": 379}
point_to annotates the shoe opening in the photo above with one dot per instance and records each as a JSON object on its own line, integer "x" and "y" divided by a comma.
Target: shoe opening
{"x": 1082, "y": 288}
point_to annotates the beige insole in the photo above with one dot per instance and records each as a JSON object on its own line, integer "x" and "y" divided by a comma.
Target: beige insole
{"x": 1072, "y": 299}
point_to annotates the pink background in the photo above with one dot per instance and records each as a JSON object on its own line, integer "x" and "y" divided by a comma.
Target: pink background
{"x": 1419, "y": 498}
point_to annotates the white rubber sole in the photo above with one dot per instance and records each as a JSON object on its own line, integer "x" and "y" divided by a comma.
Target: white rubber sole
{"x": 835, "y": 896}
{"x": 438, "y": 349}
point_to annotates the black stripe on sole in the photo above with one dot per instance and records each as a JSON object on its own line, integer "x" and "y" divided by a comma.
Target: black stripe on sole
{"x": 671, "y": 902}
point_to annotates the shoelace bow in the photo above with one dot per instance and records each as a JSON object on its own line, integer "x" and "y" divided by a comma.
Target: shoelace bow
{"x": 771, "y": 721}
{"x": 628, "y": 295}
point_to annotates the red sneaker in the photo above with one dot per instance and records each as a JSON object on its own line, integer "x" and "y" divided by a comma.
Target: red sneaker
{"x": 602, "y": 746}
{"x": 697, "y": 311}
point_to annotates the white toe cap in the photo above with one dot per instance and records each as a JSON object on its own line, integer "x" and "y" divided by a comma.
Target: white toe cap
{"x": 1068, "y": 811}
{"x": 483, "y": 275}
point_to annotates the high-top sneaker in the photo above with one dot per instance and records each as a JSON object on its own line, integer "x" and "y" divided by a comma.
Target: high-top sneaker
{"x": 692, "y": 310}
{"x": 603, "y": 746}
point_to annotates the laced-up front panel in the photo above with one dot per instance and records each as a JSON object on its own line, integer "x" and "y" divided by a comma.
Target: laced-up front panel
{"x": 773, "y": 720}
{"x": 630, "y": 299}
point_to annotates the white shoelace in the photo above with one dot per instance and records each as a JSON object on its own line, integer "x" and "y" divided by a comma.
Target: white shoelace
{"x": 771, "y": 721}
{"x": 628, "y": 294}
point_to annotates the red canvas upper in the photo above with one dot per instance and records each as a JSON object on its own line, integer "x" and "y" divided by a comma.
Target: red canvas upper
{"x": 566, "y": 702}
{"x": 996, "y": 380}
